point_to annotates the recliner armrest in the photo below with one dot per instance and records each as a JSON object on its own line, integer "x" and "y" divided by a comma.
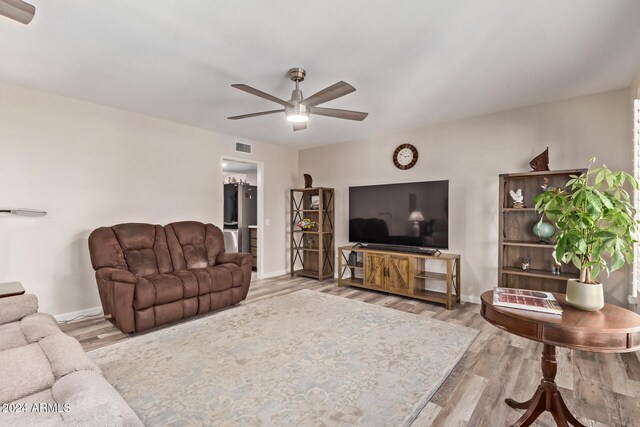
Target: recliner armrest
{"x": 238, "y": 258}
{"x": 16, "y": 307}
{"x": 116, "y": 275}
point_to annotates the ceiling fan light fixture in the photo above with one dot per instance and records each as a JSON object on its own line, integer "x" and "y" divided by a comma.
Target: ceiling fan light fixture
{"x": 297, "y": 109}
{"x": 297, "y": 114}
{"x": 297, "y": 118}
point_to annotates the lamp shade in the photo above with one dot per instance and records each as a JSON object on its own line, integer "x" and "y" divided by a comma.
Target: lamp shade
{"x": 416, "y": 216}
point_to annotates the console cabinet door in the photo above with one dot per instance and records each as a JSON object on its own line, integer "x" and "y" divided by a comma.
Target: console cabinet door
{"x": 398, "y": 273}
{"x": 375, "y": 271}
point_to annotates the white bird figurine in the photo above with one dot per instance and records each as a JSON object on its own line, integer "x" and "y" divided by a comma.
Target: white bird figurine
{"x": 517, "y": 195}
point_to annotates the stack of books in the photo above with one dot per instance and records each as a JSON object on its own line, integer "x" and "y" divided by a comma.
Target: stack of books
{"x": 542, "y": 302}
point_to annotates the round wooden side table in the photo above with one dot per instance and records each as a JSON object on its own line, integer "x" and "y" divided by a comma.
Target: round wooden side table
{"x": 613, "y": 329}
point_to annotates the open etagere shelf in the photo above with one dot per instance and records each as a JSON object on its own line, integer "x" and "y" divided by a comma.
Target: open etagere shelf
{"x": 312, "y": 251}
{"x": 517, "y": 241}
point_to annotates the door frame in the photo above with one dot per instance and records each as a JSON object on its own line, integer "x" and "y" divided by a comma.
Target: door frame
{"x": 260, "y": 185}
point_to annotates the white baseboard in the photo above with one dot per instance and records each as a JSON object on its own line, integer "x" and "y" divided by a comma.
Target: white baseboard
{"x": 274, "y": 274}
{"x": 470, "y": 298}
{"x": 65, "y": 317}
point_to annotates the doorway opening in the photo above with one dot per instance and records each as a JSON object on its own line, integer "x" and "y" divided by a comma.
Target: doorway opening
{"x": 242, "y": 209}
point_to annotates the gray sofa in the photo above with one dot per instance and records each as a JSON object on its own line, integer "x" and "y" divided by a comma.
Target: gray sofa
{"x": 46, "y": 379}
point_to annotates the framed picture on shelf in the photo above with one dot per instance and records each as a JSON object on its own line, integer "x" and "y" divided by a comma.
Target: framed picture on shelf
{"x": 314, "y": 202}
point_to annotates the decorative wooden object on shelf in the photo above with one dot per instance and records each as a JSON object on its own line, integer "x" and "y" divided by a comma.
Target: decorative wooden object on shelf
{"x": 312, "y": 251}
{"x": 516, "y": 240}
{"x": 541, "y": 161}
{"x": 610, "y": 330}
{"x": 400, "y": 273}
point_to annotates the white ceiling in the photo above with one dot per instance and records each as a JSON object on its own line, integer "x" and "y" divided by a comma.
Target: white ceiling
{"x": 413, "y": 63}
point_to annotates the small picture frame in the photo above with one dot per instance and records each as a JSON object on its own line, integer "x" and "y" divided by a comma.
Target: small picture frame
{"x": 314, "y": 202}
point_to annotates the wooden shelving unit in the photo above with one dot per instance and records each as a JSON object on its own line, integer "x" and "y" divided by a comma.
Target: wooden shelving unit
{"x": 312, "y": 252}
{"x": 401, "y": 273}
{"x": 516, "y": 240}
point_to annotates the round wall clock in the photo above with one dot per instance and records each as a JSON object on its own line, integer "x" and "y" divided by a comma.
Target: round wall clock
{"x": 405, "y": 156}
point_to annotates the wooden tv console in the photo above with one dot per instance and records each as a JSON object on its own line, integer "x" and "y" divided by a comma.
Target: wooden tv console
{"x": 400, "y": 273}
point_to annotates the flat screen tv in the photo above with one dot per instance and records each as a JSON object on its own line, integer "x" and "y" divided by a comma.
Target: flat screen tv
{"x": 410, "y": 215}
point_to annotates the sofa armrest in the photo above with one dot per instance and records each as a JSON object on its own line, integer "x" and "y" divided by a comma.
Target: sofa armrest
{"x": 238, "y": 258}
{"x": 16, "y": 307}
{"x": 116, "y": 275}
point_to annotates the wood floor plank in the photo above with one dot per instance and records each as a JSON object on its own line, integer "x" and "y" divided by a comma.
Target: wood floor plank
{"x": 601, "y": 390}
{"x": 632, "y": 365}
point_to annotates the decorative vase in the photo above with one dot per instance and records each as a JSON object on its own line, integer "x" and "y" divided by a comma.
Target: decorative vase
{"x": 585, "y": 296}
{"x": 543, "y": 230}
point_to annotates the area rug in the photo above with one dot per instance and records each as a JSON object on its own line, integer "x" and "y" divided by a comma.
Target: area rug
{"x": 302, "y": 359}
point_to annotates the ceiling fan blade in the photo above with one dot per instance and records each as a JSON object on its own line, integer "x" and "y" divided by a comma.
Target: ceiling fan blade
{"x": 262, "y": 94}
{"x": 17, "y": 10}
{"x": 339, "y": 114}
{"x": 327, "y": 94}
{"x": 261, "y": 113}
{"x": 299, "y": 126}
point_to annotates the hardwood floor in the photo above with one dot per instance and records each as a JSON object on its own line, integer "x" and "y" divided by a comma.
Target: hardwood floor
{"x": 600, "y": 389}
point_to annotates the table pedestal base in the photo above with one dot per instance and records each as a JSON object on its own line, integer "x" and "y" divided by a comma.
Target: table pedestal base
{"x": 547, "y": 397}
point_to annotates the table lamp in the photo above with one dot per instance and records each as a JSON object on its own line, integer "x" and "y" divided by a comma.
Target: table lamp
{"x": 416, "y": 217}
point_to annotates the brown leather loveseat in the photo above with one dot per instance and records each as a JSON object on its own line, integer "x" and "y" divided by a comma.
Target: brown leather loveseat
{"x": 149, "y": 275}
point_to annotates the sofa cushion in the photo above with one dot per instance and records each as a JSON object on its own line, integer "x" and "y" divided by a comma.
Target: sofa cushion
{"x": 11, "y": 336}
{"x": 144, "y": 247}
{"x": 38, "y": 326}
{"x": 16, "y": 307}
{"x": 66, "y": 355}
{"x": 18, "y": 382}
{"x": 32, "y": 417}
{"x": 30, "y": 329}
{"x": 193, "y": 244}
{"x": 236, "y": 273}
{"x": 87, "y": 390}
{"x": 213, "y": 279}
{"x": 157, "y": 289}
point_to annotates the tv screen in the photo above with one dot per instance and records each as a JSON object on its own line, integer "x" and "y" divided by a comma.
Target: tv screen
{"x": 414, "y": 214}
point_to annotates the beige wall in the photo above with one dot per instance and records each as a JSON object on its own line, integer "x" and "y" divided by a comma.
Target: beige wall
{"x": 634, "y": 89}
{"x": 471, "y": 154}
{"x": 89, "y": 165}
{"x": 634, "y": 93}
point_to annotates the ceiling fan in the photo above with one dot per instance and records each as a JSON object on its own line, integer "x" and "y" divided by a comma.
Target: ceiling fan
{"x": 17, "y": 10}
{"x": 298, "y": 109}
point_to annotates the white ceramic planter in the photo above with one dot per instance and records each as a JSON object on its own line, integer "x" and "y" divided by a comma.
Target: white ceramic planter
{"x": 585, "y": 296}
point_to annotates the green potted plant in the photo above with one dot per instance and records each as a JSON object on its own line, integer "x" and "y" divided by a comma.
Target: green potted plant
{"x": 596, "y": 223}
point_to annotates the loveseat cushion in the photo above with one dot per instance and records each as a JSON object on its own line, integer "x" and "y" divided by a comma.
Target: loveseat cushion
{"x": 18, "y": 382}
{"x": 88, "y": 392}
{"x": 193, "y": 244}
{"x": 38, "y": 326}
{"x": 11, "y": 336}
{"x": 80, "y": 399}
{"x": 66, "y": 355}
{"x": 139, "y": 248}
{"x": 157, "y": 289}
{"x": 30, "y": 329}
{"x": 47, "y": 360}
{"x": 17, "y": 307}
{"x": 236, "y": 273}
{"x": 213, "y": 279}
{"x": 144, "y": 247}
{"x": 34, "y": 418}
